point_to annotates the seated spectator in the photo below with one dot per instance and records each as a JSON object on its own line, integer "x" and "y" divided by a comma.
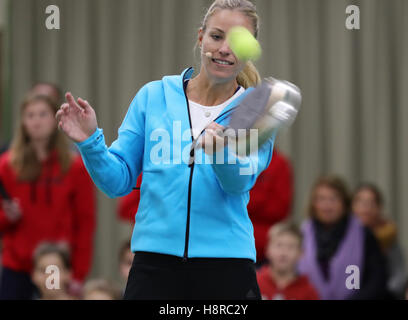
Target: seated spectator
{"x": 125, "y": 260}
{"x": 334, "y": 239}
{"x": 52, "y": 284}
{"x": 368, "y": 205}
{"x": 100, "y": 289}
{"x": 279, "y": 279}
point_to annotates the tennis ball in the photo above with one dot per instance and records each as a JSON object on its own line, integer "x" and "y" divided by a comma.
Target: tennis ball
{"x": 243, "y": 44}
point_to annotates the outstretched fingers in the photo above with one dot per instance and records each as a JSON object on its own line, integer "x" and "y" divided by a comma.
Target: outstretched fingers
{"x": 58, "y": 116}
{"x": 72, "y": 103}
{"x": 64, "y": 109}
{"x": 84, "y": 104}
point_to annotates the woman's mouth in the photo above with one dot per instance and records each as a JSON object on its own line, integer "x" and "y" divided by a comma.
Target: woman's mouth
{"x": 222, "y": 62}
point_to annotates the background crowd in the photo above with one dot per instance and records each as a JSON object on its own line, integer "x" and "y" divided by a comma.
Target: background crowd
{"x": 48, "y": 218}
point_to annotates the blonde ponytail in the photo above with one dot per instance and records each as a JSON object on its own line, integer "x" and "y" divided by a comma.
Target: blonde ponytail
{"x": 249, "y": 77}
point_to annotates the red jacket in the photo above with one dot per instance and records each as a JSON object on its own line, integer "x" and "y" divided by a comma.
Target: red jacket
{"x": 299, "y": 289}
{"x": 270, "y": 199}
{"x": 129, "y": 204}
{"x": 54, "y": 208}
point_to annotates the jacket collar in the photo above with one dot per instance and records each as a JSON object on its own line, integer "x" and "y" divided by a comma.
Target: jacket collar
{"x": 187, "y": 73}
{"x": 176, "y": 99}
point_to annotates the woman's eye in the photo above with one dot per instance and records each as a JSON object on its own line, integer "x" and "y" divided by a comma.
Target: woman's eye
{"x": 216, "y": 37}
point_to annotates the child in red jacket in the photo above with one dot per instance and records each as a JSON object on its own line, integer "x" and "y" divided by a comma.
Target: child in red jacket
{"x": 48, "y": 189}
{"x": 279, "y": 280}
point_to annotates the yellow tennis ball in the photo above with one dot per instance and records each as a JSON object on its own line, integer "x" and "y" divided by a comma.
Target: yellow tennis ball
{"x": 243, "y": 44}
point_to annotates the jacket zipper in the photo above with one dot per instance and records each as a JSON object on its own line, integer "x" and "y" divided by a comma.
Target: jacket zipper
{"x": 191, "y": 165}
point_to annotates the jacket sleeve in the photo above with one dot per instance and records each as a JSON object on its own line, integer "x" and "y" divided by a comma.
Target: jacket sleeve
{"x": 84, "y": 205}
{"x": 238, "y": 174}
{"x": 114, "y": 170}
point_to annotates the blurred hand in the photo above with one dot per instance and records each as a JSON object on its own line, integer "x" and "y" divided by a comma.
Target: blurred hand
{"x": 76, "y": 119}
{"x": 12, "y": 210}
{"x": 75, "y": 288}
{"x": 213, "y": 139}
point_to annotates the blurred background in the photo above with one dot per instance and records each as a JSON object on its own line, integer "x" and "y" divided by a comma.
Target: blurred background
{"x": 354, "y": 83}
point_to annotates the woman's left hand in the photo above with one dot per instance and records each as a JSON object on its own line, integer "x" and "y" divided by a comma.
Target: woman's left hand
{"x": 213, "y": 139}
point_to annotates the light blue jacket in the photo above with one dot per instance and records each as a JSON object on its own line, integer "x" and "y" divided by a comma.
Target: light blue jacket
{"x": 186, "y": 211}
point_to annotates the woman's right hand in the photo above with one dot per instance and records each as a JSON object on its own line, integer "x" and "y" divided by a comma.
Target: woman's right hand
{"x": 76, "y": 119}
{"x": 12, "y": 210}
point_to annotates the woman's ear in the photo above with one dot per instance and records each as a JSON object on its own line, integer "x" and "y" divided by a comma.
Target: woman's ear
{"x": 200, "y": 36}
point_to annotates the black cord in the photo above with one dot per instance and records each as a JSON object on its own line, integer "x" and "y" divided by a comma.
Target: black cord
{"x": 195, "y": 141}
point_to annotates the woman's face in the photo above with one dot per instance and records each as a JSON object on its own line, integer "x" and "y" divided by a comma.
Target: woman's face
{"x": 365, "y": 207}
{"x": 223, "y": 66}
{"x": 328, "y": 205}
{"x": 39, "y": 120}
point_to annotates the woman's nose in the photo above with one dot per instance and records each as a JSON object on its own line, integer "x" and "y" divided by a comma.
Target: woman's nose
{"x": 225, "y": 48}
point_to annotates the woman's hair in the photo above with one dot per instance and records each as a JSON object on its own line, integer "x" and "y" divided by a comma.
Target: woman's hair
{"x": 249, "y": 76}
{"x": 335, "y": 183}
{"x": 22, "y": 154}
{"x": 56, "y": 96}
{"x": 59, "y": 249}
{"x": 378, "y": 197}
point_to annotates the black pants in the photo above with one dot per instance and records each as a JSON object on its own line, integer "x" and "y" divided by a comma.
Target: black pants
{"x": 16, "y": 285}
{"x": 156, "y": 276}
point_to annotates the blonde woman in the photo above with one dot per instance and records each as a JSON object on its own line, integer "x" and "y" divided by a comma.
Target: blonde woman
{"x": 192, "y": 237}
{"x": 47, "y": 186}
